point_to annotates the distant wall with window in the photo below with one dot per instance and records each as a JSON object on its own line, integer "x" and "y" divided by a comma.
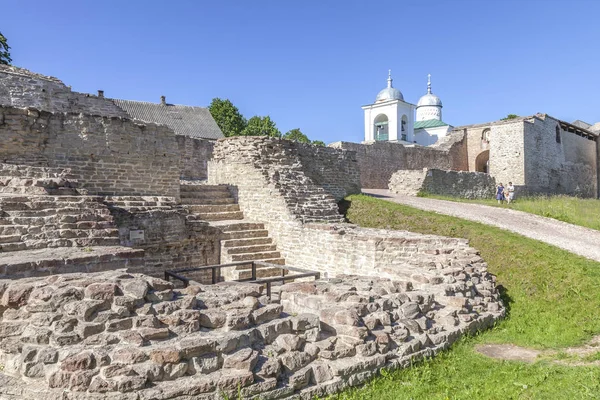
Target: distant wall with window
{"x": 559, "y": 159}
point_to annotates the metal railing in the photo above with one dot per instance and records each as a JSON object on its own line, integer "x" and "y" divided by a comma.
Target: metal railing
{"x": 216, "y": 273}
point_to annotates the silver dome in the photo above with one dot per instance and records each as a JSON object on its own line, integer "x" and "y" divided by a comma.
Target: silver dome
{"x": 429, "y": 99}
{"x": 389, "y": 93}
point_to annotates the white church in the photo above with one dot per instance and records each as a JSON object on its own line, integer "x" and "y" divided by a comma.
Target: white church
{"x": 392, "y": 119}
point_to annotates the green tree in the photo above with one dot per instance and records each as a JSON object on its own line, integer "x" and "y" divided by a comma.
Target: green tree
{"x": 227, "y": 116}
{"x": 4, "y": 53}
{"x": 318, "y": 143}
{"x": 261, "y": 126}
{"x": 296, "y": 135}
{"x": 509, "y": 116}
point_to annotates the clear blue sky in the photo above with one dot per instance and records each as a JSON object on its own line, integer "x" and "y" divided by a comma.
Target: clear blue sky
{"x": 312, "y": 64}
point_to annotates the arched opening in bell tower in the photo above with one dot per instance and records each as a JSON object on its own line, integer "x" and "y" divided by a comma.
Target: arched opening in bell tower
{"x": 381, "y": 128}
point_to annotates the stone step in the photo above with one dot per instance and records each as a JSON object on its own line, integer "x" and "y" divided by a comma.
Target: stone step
{"x": 203, "y": 188}
{"x": 49, "y": 220}
{"x": 246, "y": 234}
{"x": 231, "y": 226}
{"x": 252, "y": 249}
{"x": 10, "y": 238}
{"x": 246, "y": 242}
{"x": 221, "y": 216}
{"x": 266, "y": 272}
{"x": 279, "y": 261}
{"x": 13, "y": 229}
{"x": 5, "y": 247}
{"x": 205, "y": 195}
{"x": 207, "y": 201}
{"x": 206, "y": 208}
{"x": 255, "y": 256}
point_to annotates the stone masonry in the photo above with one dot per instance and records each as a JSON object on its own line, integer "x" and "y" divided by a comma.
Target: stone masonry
{"x": 128, "y": 336}
{"x": 109, "y": 156}
{"x": 467, "y": 185}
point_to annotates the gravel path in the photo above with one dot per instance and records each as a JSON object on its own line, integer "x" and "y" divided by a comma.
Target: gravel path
{"x": 573, "y": 238}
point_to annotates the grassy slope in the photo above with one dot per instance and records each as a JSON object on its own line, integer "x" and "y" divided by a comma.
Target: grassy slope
{"x": 583, "y": 212}
{"x": 553, "y": 299}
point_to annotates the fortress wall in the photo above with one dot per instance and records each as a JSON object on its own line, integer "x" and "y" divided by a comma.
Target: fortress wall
{"x": 22, "y": 88}
{"x": 464, "y": 184}
{"x": 255, "y": 167}
{"x": 109, "y": 156}
{"x": 507, "y": 153}
{"x": 378, "y": 161}
{"x": 569, "y": 167}
{"x": 194, "y": 156}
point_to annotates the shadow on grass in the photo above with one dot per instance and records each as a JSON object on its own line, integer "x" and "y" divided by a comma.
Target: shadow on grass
{"x": 506, "y": 299}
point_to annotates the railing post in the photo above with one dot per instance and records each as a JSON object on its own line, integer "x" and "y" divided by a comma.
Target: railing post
{"x": 167, "y": 277}
{"x": 269, "y": 290}
{"x": 214, "y": 275}
{"x": 253, "y": 271}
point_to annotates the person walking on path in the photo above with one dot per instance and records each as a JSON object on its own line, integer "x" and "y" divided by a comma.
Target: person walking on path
{"x": 511, "y": 193}
{"x": 500, "y": 193}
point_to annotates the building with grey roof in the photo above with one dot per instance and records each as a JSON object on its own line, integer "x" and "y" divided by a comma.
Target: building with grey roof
{"x": 195, "y": 122}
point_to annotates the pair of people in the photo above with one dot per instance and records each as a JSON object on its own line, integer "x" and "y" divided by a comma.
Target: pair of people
{"x": 505, "y": 193}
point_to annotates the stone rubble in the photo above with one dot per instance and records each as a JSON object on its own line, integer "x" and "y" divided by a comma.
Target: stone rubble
{"x": 131, "y": 336}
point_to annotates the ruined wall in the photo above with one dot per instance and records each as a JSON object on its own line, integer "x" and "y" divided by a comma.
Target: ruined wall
{"x": 378, "y": 161}
{"x": 463, "y": 184}
{"x": 336, "y": 171}
{"x": 128, "y": 336}
{"x": 22, "y": 88}
{"x": 568, "y": 167}
{"x": 108, "y": 156}
{"x": 194, "y": 156}
{"x": 330, "y": 248}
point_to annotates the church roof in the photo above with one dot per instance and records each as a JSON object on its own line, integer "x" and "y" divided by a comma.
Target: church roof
{"x": 430, "y": 123}
{"x": 390, "y": 92}
{"x": 196, "y": 122}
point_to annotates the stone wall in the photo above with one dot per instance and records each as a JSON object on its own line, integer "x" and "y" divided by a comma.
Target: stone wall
{"x": 567, "y": 167}
{"x": 22, "y": 88}
{"x": 463, "y": 184}
{"x": 171, "y": 240}
{"x": 334, "y": 170}
{"x": 108, "y": 156}
{"x": 276, "y": 166}
{"x": 329, "y": 248}
{"x": 194, "y": 155}
{"x": 378, "y": 161}
{"x": 129, "y": 336}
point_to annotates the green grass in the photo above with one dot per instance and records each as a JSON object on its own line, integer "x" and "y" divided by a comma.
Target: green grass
{"x": 553, "y": 302}
{"x": 574, "y": 210}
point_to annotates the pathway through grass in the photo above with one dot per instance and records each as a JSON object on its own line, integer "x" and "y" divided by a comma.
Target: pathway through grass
{"x": 582, "y": 212}
{"x": 553, "y": 302}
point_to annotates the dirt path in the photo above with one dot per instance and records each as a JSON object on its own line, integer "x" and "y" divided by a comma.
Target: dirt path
{"x": 511, "y": 352}
{"x": 576, "y": 239}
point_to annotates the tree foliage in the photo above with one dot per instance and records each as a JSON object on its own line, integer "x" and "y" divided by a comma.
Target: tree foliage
{"x": 4, "y": 53}
{"x": 296, "y": 135}
{"x": 509, "y": 116}
{"x": 318, "y": 143}
{"x": 261, "y": 126}
{"x": 227, "y": 116}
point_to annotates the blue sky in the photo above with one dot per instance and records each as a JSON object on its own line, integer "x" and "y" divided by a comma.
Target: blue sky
{"x": 312, "y": 64}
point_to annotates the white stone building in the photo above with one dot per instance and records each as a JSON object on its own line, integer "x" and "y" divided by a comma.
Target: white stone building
{"x": 392, "y": 119}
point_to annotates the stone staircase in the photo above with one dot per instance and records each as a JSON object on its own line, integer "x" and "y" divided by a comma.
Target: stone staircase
{"x": 35, "y": 222}
{"x": 241, "y": 239}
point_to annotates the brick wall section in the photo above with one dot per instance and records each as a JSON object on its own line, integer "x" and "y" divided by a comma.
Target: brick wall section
{"x": 378, "y": 161}
{"x": 194, "y": 156}
{"x": 468, "y": 185}
{"x": 22, "y": 88}
{"x": 109, "y": 156}
{"x": 330, "y": 248}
